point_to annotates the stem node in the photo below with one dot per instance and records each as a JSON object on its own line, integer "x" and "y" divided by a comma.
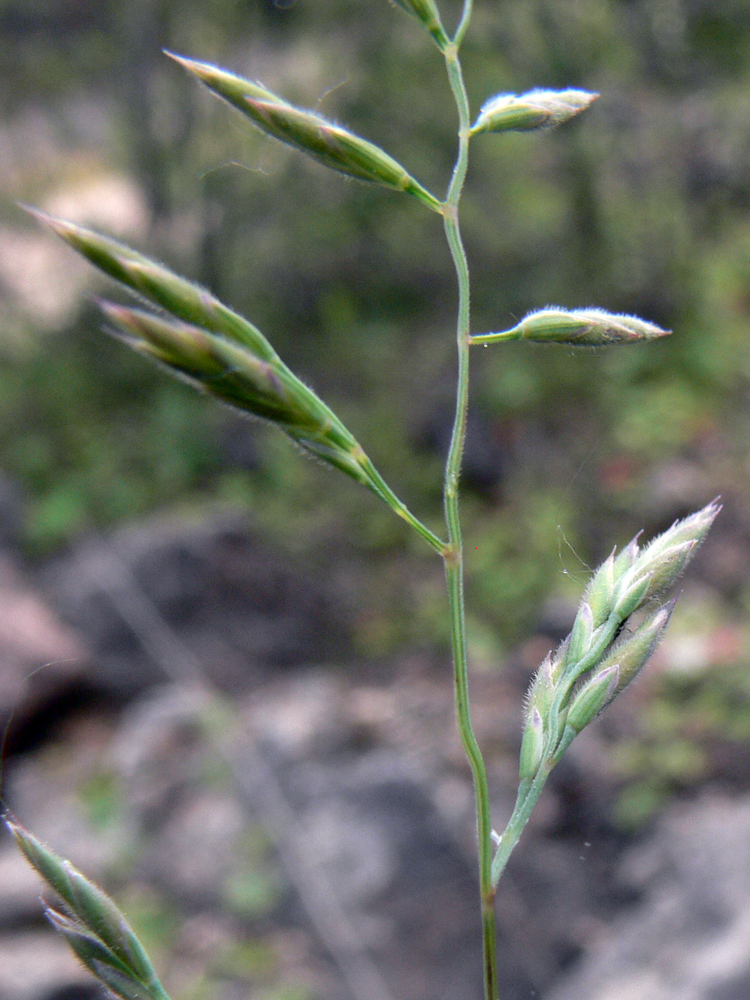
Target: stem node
{"x": 451, "y": 555}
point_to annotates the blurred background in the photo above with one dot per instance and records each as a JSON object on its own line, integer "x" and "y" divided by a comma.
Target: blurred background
{"x": 224, "y": 669}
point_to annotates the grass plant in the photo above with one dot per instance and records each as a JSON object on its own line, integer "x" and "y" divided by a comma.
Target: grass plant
{"x": 625, "y": 609}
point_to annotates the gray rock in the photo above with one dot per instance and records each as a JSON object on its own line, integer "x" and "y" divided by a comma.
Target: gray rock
{"x": 193, "y": 855}
{"x": 20, "y": 888}
{"x": 40, "y": 657}
{"x": 689, "y": 937}
{"x": 38, "y": 965}
{"x": 238, "y": 606}
{"x": 365, "y": 816}
{"x": 159, "y": 750}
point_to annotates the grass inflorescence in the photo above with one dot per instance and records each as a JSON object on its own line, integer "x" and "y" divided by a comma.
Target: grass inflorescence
{"x": 625, "y": 609}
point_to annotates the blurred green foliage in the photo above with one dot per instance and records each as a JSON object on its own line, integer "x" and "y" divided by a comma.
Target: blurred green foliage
{"x": 694, "y": 728}
{"x": 642, "y": 205}
{"x": 252, "y": 889}
{"x": 101, "y": 796}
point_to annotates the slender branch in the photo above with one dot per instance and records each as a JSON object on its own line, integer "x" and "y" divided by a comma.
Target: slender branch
{"x": 386, "y": 494}
{"x": 463, "y": 24}
{"x": 528, "y": 796}
{"x": 453, "y": 556}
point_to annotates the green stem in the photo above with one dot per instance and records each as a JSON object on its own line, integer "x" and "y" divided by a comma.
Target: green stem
{"x": 496, "y": 338}
{"x": 453, "y": 555}
{"x": 528, "y": 796}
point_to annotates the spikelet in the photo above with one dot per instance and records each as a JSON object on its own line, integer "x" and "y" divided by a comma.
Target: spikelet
{"x": 92, "y": 925}
{"x": 534, "y": 110}
{"x": 577, "y": 328}
{"x": 217, "y": 350}
{"x": 595, "y": 663}
{"x": 329, "y": 144}
{"x": 426, "y": 12}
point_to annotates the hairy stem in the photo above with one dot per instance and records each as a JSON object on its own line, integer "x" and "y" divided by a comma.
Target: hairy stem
{"x": 528, "y": 796}
{"x": 453, "y": 556}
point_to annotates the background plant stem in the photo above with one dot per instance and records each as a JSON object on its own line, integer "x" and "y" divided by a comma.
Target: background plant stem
{"x": 454, "y": 555}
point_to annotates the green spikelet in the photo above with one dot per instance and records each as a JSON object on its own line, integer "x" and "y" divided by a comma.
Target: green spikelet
{"x": 593, "y": 695}
{"x": 594, "y": 664}
{"x": 532, "y": 745}
{"x": 267, "y": 389}
{"x": 577, "y": 328}
{"x": 183, "y": 299}
{"x": 600, "y": 591}
{"x": 217, "y": 350}
{"x": 93, "y": 926}
{"x": 534, "y": 110}
{"x": 581, "y": 633}
{"x": 634, "y": 651}
{"x": 665, "y": 558}
{"x": 329, "y": 144}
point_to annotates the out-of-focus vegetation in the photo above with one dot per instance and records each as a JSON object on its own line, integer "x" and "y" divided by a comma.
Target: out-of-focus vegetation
{"x": 693, "y": 729}
{"x": 693, "y": 716}
{"x": 642, "y": 206}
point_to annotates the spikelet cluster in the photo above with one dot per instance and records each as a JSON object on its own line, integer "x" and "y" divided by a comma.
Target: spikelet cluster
{"x": 603, "y": 652}
{"x": 215, "y": 349}
{"x": 92, "y": 925}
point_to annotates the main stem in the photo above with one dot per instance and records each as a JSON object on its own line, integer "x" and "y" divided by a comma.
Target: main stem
{"x": 453, "y": 557}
